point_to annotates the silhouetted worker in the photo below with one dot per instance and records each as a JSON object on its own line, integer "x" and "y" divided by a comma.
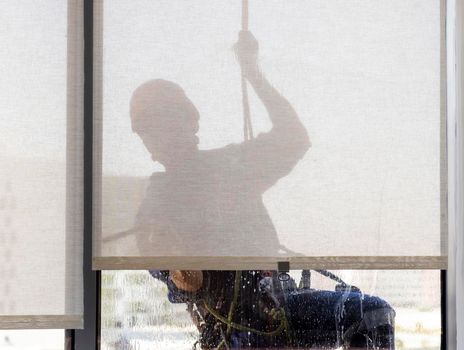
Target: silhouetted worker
{"x": 255, "y": 310}
{"x": 209, "y": 202}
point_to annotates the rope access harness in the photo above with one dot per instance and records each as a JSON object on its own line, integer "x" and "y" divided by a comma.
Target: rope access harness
{"x": 277, "y": 313}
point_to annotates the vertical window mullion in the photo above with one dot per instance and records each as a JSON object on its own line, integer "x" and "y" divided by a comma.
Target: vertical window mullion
{"x": 88, "y": 338}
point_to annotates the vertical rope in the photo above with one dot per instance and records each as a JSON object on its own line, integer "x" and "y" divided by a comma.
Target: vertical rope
{"x": 247, "y": 127}
{"x": 244, "y": 14}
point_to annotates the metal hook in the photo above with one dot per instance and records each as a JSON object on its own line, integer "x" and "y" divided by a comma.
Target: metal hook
{"x": 283, "y": 267}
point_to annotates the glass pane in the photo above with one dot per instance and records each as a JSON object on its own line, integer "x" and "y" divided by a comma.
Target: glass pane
{"x": 50, "y": 339}
{"x": 346, "y": 309}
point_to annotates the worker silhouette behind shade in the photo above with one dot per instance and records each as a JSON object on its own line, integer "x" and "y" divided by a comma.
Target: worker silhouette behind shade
{"x": 209, "y": 202}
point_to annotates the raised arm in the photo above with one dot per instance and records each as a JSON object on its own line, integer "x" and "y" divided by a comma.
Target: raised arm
{"x": 285, "y": 120}
{"x": 271, "y": 155}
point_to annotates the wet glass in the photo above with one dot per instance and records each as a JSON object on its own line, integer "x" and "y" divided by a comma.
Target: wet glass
{"x": 314, "y": 309}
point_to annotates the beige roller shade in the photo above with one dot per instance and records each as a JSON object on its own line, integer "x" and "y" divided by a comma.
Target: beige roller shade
{"x": 346, "y": 167}
{"x": 41, "y": 92}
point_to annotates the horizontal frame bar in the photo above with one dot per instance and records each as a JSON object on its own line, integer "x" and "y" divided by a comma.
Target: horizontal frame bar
{"x": 270, "y": 263}
{"x": 41, "y": 322}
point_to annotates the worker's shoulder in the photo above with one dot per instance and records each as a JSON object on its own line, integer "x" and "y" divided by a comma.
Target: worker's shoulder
{"x": 157, "y": 176}
{"x": 234, "y": 149}
{"x": 156, "y": 181}
{"x": 226, "y": 152}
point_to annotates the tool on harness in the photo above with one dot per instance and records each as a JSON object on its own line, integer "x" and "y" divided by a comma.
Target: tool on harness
{"x": 283, "y": 267}
{"x": 305, "y": 281}
{"x": 277, "y": 312}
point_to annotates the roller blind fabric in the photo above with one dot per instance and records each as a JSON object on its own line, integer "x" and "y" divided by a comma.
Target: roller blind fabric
{"x": 41, "y": 166}
{"x": 340, "y": 165}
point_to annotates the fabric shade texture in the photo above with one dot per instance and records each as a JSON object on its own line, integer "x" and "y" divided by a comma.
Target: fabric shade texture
{"x": 347, "y": 165}
{"x": 227, "y": 135}
{"x": 41, "y": 164}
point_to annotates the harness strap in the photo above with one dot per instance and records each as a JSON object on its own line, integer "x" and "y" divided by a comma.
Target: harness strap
{"x": 238, "y": 275}
{"x": 276, "y": 313}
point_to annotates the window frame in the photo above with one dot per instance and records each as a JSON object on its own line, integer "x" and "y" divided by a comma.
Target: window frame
{"x": 88, "y": 338}
{"x": 455, "y": 110}
{"x": 452, "y": 278}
